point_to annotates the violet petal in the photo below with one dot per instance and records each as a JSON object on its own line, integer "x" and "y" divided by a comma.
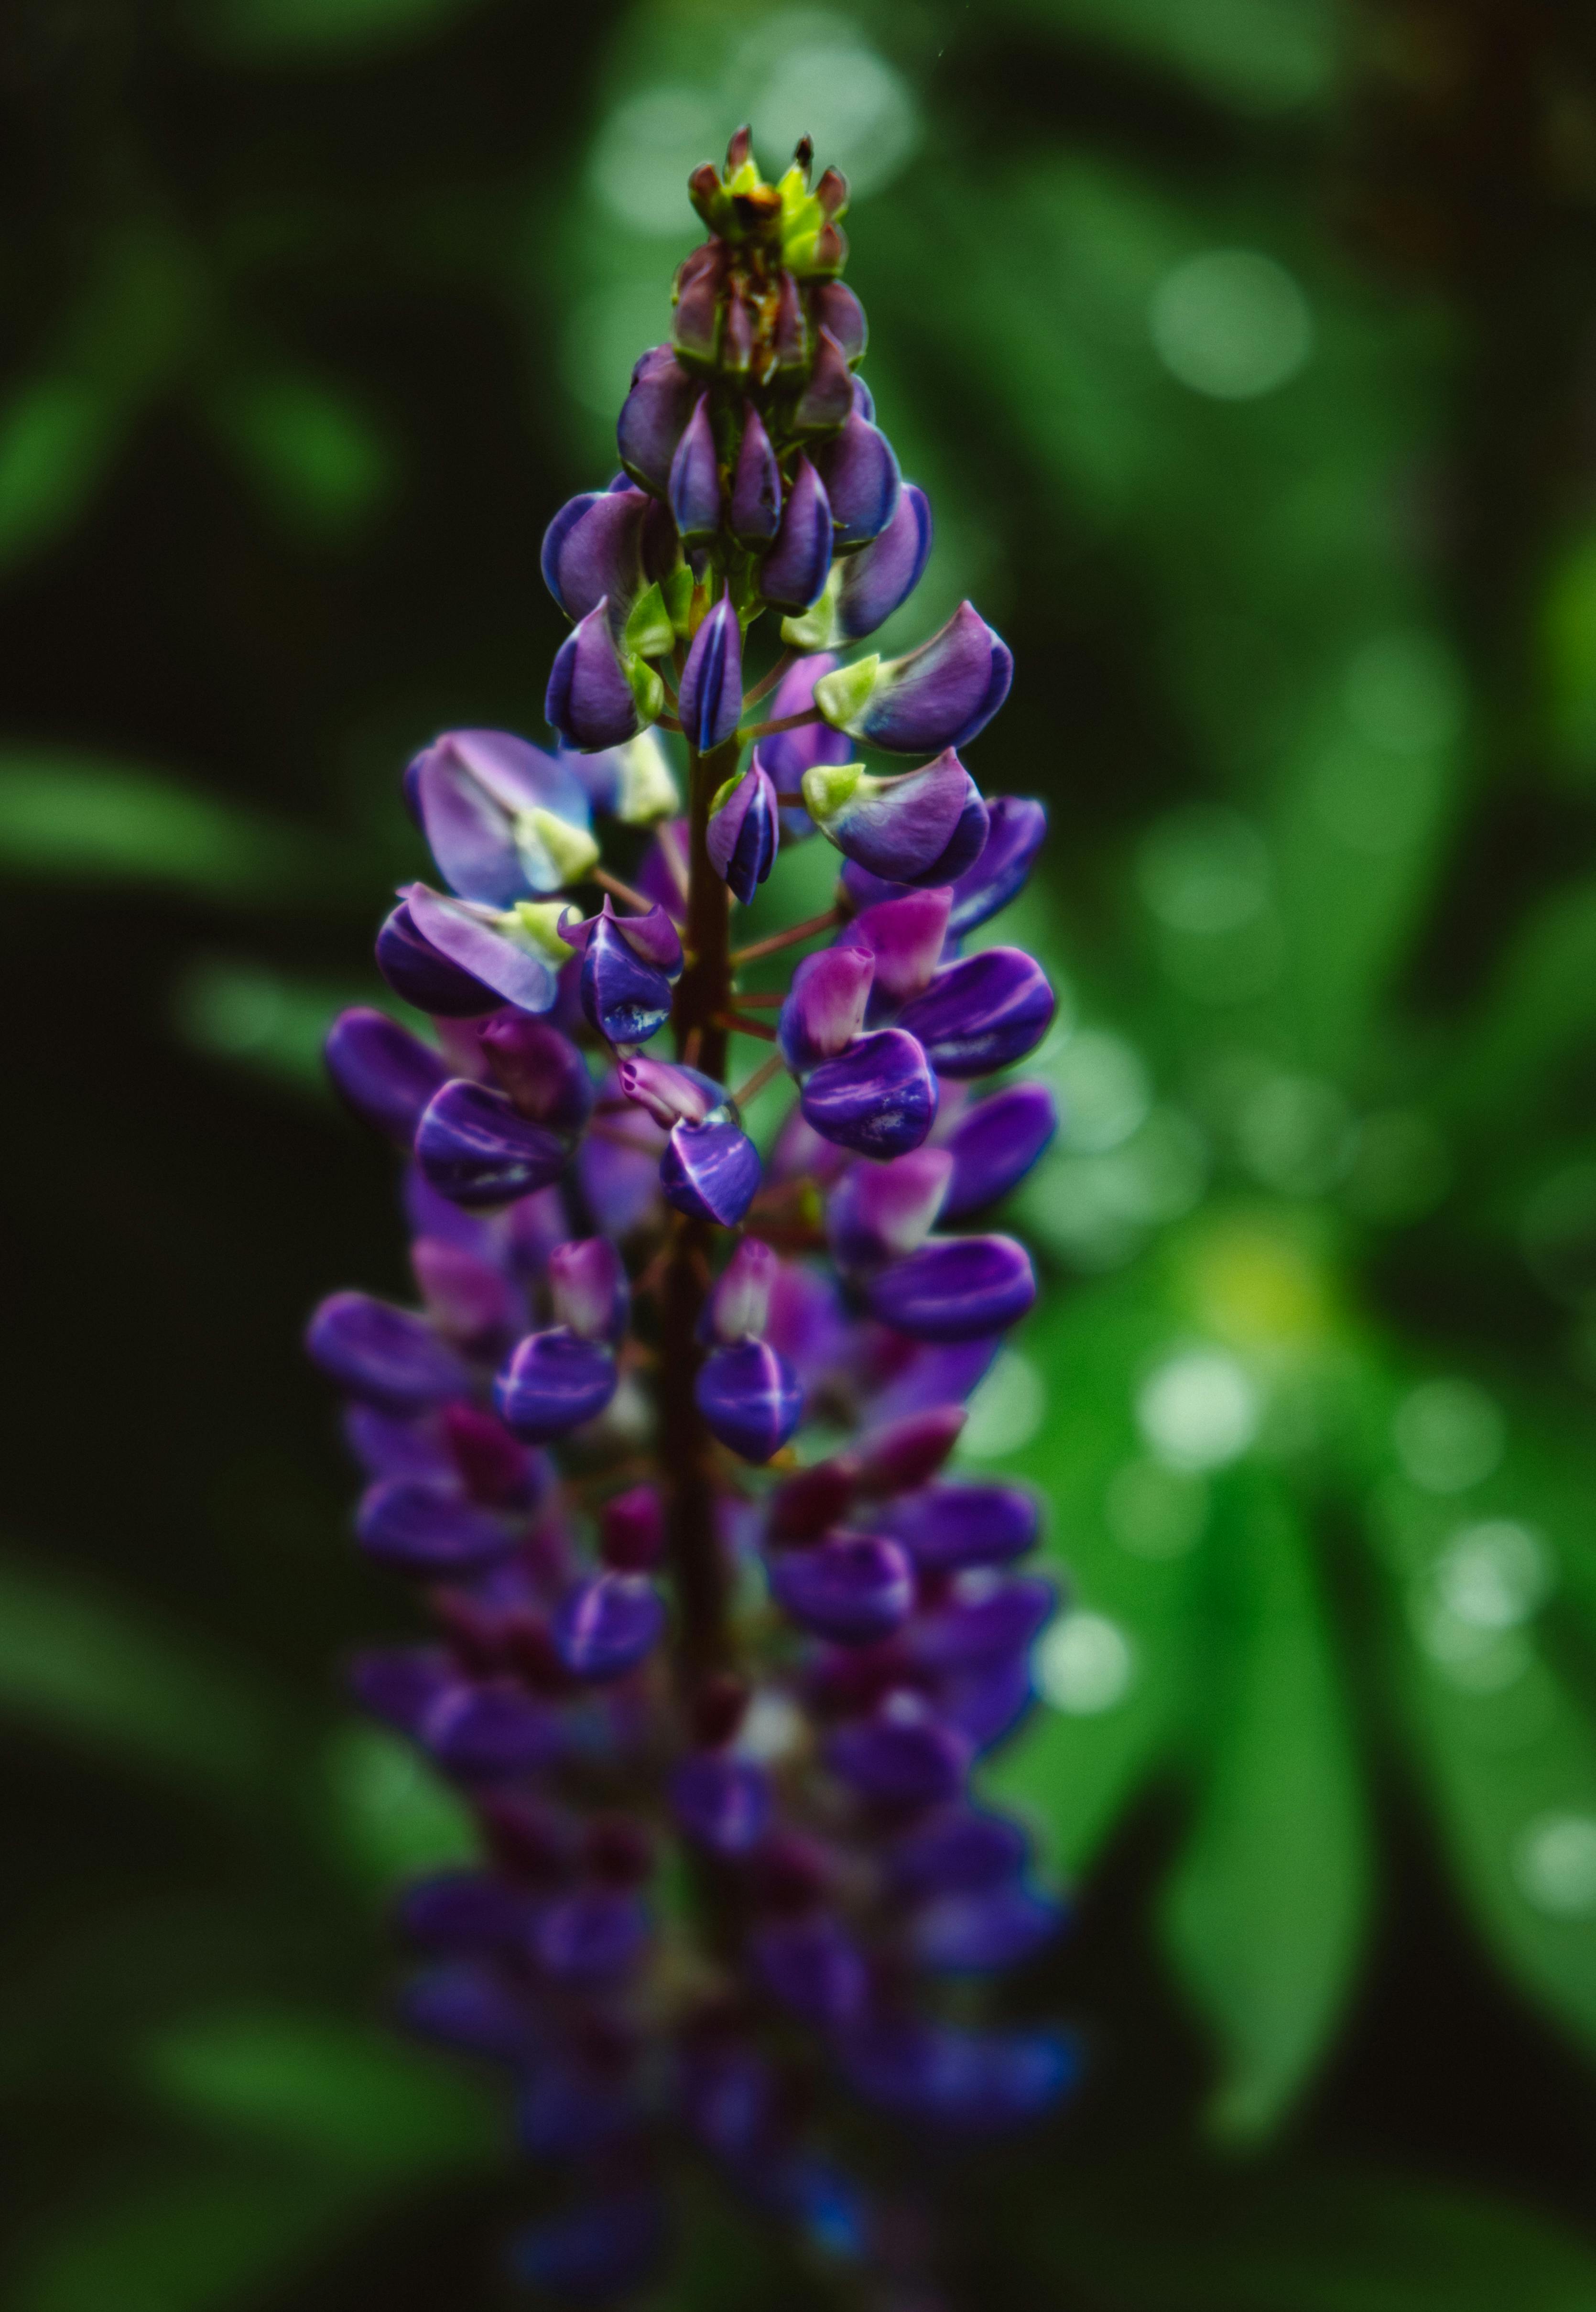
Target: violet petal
{"x": 477, "y": 1150}
{"x": 554, "y": 1382}
{"x": 389, "y": 1356}
{"x": 956, "y": 1289}
{"x": 710, "y": 1171}
{"x": 750, "y": 1398}
{"x": 383, "y": 1072}
{"x": 982, "y": 1013}
{"x": 879, "y": 1098}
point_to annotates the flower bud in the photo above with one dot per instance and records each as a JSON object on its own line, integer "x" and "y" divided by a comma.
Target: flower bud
{"x": 879, "y": 1098}
{"x": 905, "y": 1452}
{"x": 984, "y": 1932}
{"x": 654, "y": 417}
{"x": 902, "y": 1757}
{"x": 478, "y": 1151}
{"x": 756, "y": 486}
{"x": 542, "y": 1070}
{"x": 429, "y": 1530}
{"x": 793, "y": 574}
{"x": 632, "y": 1530}
{"x": 956, "y": 1289}
{"x": 744, "y": 831}
{"x": 883, "y": 1212}
{"x": 982, "y": 1013}
{"x": 791, "y": 334}
{"x": 750, "y": 1398}
{"x": 606, "y": 1626}
{"x": 383, "y": 1072}
{"x": 628, "y": 963}
{"x": 866, "y": 587}
{"x": 593, "y": 552}
{"x": 836, "y": 308}
{"x": 588, "y": 1289}
{"x": 415, "y": 970}
{"x": 1015, "y": 825}
{"x": 921, "y": 827}
{"x": 696, "y": 479}
{"x": 499, "y": 951}
{"x": 489, "y": 1728}
{"x": 389, "y": 1357}
{"x": 825, "y": 1006}
{"x": 552, "y": 1383}
{"x": 723, "y": 1803}
{"x": 863, "y": 481}
{"x": 946, "y": 1528}
{"x": 590, "y": 700}
{"x": 939, "y": 696}
{"x": 853, "y": 1590}
{"x": 711, "y": 696}
{"x": 995, "y": 1143}
{"x": 740, "y": 1308}
{"x": 828, "y": 399}
{"x": 710, "y": 1171}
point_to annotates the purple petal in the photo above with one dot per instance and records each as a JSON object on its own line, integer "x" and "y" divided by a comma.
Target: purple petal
{"x": 589, "y": 700}
{"x": 907, "y": 1449}
{"x": 387, "y": 1447}
{"x": 710, "y": 702}
{"x": 619, "y": 1173}
{"x": 882, "y": 1211}
{"x": 939, "y": 696}
{"x": 982, "y": 1932}
{"x": 490, "y": 1728}
{"x": 471, "y": 2009}
{"x": 986, "y": 1617}
{"x": 721, "y": 1803}
{"x": 995, "y": 1143}
{"x": 696, "y": 480}
{"x": 948, "y": 1528}
{"x": 789, "y": 753}
{"x": 593, "y": 550}
{"x": 669, "y": 1094}
{"x": 476, "y": 1150}
{"x": 459, "y": 932}
{"x": 1014, "y": 831}
{"x": 825, "y": 1005}
{"x": 881, "y": 576}
{"x": 878, "y": 1099}
{"x": 861, "y": 479}
{"x": 542, "y": 1070}
{"x": 625, "y": 999}
{"x": 401, "y": 1683}
{"x": 902, "y": 1757}
{"x": 588, "y": 1289}
{"x": 489, "y": 1463}
{"x": 964, "y": 1853}
{"x": 955, "y": 1290}
{"x": 743, "y": 834}
{"x": 654, "y": 418}
{"x": 827, "y": 398}
{"x": 429, "y": 1529}
{"x": 384, "y": 1073}
{"x": 414, "y": 970}
{"x": 389, "y": 1356}
{"x": 462, "y": 1911}
{"x": 919, "y": 826}
{"x": 814, "y": 1966}
{"x": 750, "y": 1398}
{"x": 905, "y": 936}
{"x": 740, "y": 1307}
{"x": 756, "y": 486}
{"x": 469, "y": 1299}
{"x": 710, "y": 1171}
{"x": 836, "y": 308}
{"x": 554, "y": 1382}
{"x": 606, "y": 1626}
{"x": 794, "y": 572}
{"x": 590, "y": 1936}
{"x": 982, "y": 1013}
{"x": 854, "y": 1588}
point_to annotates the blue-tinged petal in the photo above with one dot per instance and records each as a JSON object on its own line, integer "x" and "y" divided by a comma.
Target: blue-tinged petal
{"x": 389, "y": 1357}
{"x": 939, "y": 696}
{"x": 605, "y": 1626}
{"x": 960, "y": 1289}
{"x": 854, "y": 1588}
{"x": 862, "y": 482}
{"x": 756, "y": 486}
{"x": 654, "y": 417}
{"x": 710, "y": 701}
{"x": 750, "y": 1398}
{"x": 386, "y": 1074}
{"x": 879, "y": 1098}
{"x": 478, "y": 1151}
{"x": 710, "y": 1171}
{"x": 982, "y": 1013}
{"x": 995, "y": 1145}
{"x": 554, "y": 1382}
{"x": 429, "y": 1530}
{"x": 922, "y": 827}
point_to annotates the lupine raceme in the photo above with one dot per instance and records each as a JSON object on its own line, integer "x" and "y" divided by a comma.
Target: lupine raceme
{"x": 663, "y": 1444}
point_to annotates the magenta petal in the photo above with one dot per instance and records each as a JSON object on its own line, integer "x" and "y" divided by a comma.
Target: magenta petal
{"x": 883, "y": 1212}
{"x": 825, "y": 1006}
{"x": 905, "y": 937}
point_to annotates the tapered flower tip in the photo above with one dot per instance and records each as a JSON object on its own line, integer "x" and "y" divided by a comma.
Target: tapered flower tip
{"x": 1015, "y": 829}
{"x": 710, "y": 700}
{"x": 591, "y": 1936}
{"x": 793, "y": 574}
{"x": 627, "y": 964}
{"x": 744, "y": 831}
{"x": 904, "y": 937}
{"x": 881, "y": 1212}
{"x": 553, "y": 1383}
{"x": 941, "y": 695}
{"x": 879, "y": 1098}
{"x": 804, "y": 1506}
{"x": 429, "y": 1529}
{"x": 984, "y": 1618}
{"x": 632, "y": 1530}
{"x": 982, "y": 1012}
{"x": 389, "y": 1357}
{"x": 862, "y": 482}
{"x": 918, "y": 826}
{"x": 478, "y": 1151}
{"x": 489, "y": 1463}
{"x": 825, "y": 1006}
{"x": 592, "y": 549}
{"x": 905, "y": 1450}
{"x": 541, "y": 1070}
{"x": 589, "y": 701}
{"x": 415, "y": 970}
{"x": 947, "y": 1528}
{"x": 983, "y": 1932}
{"x": 854, "y": 1588}
{"x": 587, "y": 1286}
{"x": 902, "y": 1757}
{"x": 668, "y": 1093}
{"x": 837, "y": 308}
{"x": 710, "y": 1171}
{"x": 958, "y": 1289}
{"x": 471, "y": 2008}
{"x": 607, "y": 1625}
{"x": 750, "y": 1398}
{"x": 499, "y": 951}
{"x": 470, "y": 1298}
{"x": 828, "y": 398}
{"x": 881, "y": 576}
{"x": 490, "y": 1728}
{"x": 721, "y": 1803}
{"x": 957, "y": 2081}
{"x": 960, "y": 1852}
{"x": 654, "y": 418}
{"x": 740, "y": 1307}
{"x": 696, "y": 479}
{"x": 592, "y": 2252}
{"x": 789, "y": 753}
{"x": 995, "y": 1143}
{"x": 756, "y": 485}
{"x": 502, "y": 818}
{"x": 652, "y": 936}
{"x": 815, "y": 1967}
{"x": 383, "y": 1072}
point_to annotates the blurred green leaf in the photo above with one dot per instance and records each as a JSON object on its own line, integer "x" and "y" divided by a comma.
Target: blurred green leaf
{"x": 1542, "y": 1005}
{"x": 81, "y": 1664}
{"x": 1265, "y": 1914}
{"x": 390, "y": 1814}
{"x": 1568, "y": 655}
{"x": 1263, "y": 55}
{"x": 347, "y": 2099}
{"x": 307, "y": 32}
{"x": 57, "y": 438}
{"x": 192, "y": 2244}
{"x": 270, "y": 1023}
{"x": 79, "y": 819}
{"x": 320, "y": 463}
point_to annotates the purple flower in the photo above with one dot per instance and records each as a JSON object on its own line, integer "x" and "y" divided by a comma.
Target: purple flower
{"x": 654, "y": 418}
{"x": 477, "y": 1150}
{"x": 856, "y": 1588}
{"x": 711, "y": 696}
{"x": 956, "y": 1289}
{"x": 385, "y": 1356}
{"x": 744, "y": 831}
{"x": 995, "y": 1145}
{"x": 1015, "y": 828}
{"x": 723, "y": 1803}
{"x": 630, "y": 965}
{"x": 750, "y": 1398}
{"x": 983, "y": 1013}
{"x": 794, "y": 572}
{"x": 386, "y": 1074}
{"x": 921, "y": 827}
{"x": 941, "y": 695}
{"x": 604, "y": 1627}
{"x": 862, "y": 478}
{"x": 504, "y": 821}
{"x": 554, "y": 1383}
{"x": 868, "y": 586}
{"x": 756, "y": 486}
{"x": 591, "y": 700}
{"x": 828, "y": 399}
{"x": 710, "y": 1171}
{"x": 593, "y": 552}
{"x": 696, "y": 479}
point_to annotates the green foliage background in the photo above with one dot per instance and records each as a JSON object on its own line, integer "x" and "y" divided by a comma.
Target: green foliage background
{"x": 1246, "y": 349}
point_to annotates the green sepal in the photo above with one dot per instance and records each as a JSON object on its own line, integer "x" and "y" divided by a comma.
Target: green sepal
{"x": 649, "y": 630}
{"x": 676, "y": 591}
{"x": 725, "y": 791}
{"x": 827, "y": 787}
{"x": 537, "y": 923}
{"x": 647, "y": 688}
{"x": 843, "y": 695}
{"x": 815, "y": 629}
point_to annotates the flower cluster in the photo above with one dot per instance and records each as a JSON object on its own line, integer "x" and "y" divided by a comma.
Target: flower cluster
{"x": 665, "y": 1441}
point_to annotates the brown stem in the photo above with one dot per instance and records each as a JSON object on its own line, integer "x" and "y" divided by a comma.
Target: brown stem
{"x": 735, "y": 1024}
{"x": 766, "y": 683}
{"x": 794, "y": 936}
{"x": 626, "y": 891}
{"x": 782, "y": 723}
{"x": 770, "y": 999}
{"x": 760, "y": 1077}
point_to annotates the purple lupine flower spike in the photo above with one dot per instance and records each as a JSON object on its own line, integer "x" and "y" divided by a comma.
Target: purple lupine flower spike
{"x": 635, "y": 1643}
{"x": 711, "y": 699}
